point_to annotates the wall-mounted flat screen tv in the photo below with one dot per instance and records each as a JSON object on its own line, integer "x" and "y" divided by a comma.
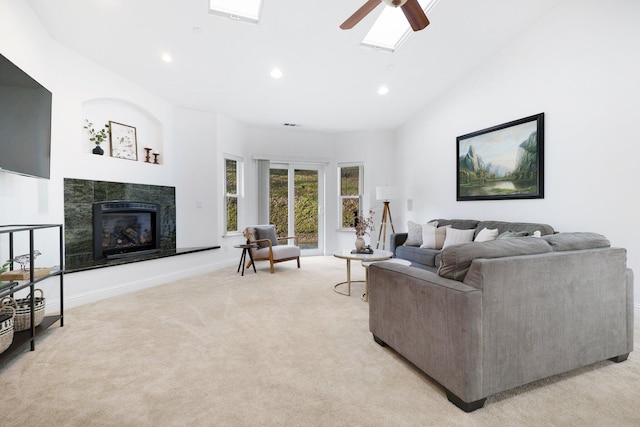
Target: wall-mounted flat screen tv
{"x": 25, "y": 123}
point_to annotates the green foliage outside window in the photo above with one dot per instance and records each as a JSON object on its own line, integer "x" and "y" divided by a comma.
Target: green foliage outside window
{"x": 231, "y": 190}
{"x": 349, "y": 195}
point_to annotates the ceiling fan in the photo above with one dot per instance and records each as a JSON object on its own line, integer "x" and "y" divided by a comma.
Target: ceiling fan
{"x": 411, "y": 8}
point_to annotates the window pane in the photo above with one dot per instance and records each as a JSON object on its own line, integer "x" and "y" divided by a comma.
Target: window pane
{"x": 349, "y": 181}
{"x": 350, "y": 210}
{"x": 232, "y": 214}
{"x": 231, "y": 167}
{"x": 278, "y": 200}
{"x": 306, "y": 208}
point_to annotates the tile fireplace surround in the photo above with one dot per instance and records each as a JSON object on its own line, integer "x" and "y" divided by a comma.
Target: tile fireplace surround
{"x": 79, "y": 196}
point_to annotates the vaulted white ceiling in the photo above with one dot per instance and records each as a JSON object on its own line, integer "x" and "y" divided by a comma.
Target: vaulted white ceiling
{"x": 329, "y": 81}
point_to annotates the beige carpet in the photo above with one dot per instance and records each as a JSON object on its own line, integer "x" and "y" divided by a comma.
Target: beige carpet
{"x": 268, "y": 350}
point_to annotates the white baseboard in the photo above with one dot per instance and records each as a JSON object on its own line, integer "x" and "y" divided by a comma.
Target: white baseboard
{"x": 90, "y": 286}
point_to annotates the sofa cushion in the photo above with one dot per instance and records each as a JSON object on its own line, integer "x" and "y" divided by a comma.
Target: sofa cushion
{"x": 416, "y": 231}
{"x": 414, "y": 234}
{"x": 422, "y": 256}
{"x": 576, "y": 241}
{"x": 510, "y": 233}
{"x": 486, "y": 235}
{"x": 456, "y": 260}
{"x": 279, "y": 252}
{"x": 266, "y": 232}
{"x": 460, "y": 224}
{"x": 503, "y": 226}
{"x": 457, "y": 237}
{"x": 433, "y": 237}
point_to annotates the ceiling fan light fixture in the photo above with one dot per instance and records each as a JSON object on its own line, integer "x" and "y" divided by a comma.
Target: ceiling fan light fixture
{"x": 391, "y": 28}
{"x": 395, "y": 3}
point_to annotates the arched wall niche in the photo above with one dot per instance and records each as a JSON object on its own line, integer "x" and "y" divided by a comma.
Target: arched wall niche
{"x": 149, "y": 130}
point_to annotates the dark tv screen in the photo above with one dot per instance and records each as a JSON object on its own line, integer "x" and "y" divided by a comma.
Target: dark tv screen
{"x": 25, "y": 123}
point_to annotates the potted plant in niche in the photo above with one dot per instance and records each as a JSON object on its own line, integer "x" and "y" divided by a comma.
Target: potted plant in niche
{"x": 363, "y": 226}
{"x": 97, "y": 136}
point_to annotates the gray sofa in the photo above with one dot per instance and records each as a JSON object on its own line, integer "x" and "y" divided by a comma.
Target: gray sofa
{"x": 429, "y": 259}
{"x": 508, "y": 312}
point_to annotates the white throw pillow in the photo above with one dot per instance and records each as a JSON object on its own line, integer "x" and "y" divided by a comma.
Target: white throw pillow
{"x": 428, "y": 236}
{"x": 414, "y": 235}
{"x": 486, "y": 234}
{"x": 433, "y": 236}
{"x": 457, "y": 237}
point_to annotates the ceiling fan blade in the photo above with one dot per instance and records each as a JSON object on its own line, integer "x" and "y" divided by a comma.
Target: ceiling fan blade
{"x": 415, "y": 15}
{"x": 360, "y": 14}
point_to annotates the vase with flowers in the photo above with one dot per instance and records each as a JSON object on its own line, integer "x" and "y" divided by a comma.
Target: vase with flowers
{"x": 363, "y": 225}
{"x": 97, "y": 136}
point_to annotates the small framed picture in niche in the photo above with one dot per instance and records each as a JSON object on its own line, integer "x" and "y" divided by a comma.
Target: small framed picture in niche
{"x": 124, "y": 144}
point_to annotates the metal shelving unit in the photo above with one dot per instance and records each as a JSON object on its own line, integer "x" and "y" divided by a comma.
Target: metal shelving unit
{"x": 9, "y": 288}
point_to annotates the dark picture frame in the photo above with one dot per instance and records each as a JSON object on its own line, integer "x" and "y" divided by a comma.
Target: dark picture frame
{"x": 124, "y": 142}
{"x": 502, "y": 162}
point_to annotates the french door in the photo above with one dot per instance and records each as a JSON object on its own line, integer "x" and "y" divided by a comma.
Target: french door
{"x": 296, "y": 204}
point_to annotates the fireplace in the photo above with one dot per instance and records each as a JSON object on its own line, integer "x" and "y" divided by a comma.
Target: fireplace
{"x": 125, "y": 228}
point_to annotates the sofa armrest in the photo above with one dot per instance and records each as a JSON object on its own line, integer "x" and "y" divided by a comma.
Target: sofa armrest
{"x": 434, "y": 322}
{"x": 549, "y": 313}
{"x": 397, "y": 239}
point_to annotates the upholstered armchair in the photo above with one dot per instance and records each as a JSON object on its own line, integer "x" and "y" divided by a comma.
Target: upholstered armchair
{"x": 269, "y": 246}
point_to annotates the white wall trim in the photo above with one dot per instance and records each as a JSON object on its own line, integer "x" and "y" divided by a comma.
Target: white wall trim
{"x": 90, "y": 286}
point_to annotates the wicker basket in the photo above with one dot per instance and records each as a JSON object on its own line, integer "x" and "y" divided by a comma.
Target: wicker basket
{"x": 23, "y": 311}
{"x": 6, "y": 326}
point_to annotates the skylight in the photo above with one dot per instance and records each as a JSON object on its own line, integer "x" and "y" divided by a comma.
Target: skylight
{"x": 242, "y": 10}
{"x": 391, "y": 28}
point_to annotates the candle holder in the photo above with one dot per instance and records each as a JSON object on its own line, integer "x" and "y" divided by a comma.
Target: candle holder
{"x": 147, "y": 158}
{"x": 155, "y": 158}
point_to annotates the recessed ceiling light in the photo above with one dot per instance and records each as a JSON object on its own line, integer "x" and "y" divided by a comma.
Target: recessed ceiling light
{"x": 383, "y": 90}
{"x": 166, "y": 57}
{"x": 276, "y": 73}
{"x": 197, "y": 31}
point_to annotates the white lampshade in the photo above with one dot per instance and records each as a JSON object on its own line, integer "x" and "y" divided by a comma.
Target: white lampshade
{"x": 386, "y": 192}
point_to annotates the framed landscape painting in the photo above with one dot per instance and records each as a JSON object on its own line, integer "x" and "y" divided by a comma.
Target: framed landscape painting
{"x": 502, "y": 162}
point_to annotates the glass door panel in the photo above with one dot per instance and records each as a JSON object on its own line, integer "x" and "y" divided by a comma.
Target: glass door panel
{"x": 279, "y": 200}
{"x": 305, "y": 212}
{"x": 296, "y": 193}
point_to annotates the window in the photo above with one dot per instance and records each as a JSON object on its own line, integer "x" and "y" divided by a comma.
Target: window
{"x": 391, "y": 28}
{"x": 232, "y": 186}
{"x": 241, "y": 10}
{"x": 350, "y": 190}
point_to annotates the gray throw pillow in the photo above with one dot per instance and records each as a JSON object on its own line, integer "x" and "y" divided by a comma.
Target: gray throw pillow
{"x": 268, "y": 232}
{"x": 509, "y": 233}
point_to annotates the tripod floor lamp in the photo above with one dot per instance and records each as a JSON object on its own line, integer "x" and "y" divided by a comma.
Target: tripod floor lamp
{"x": 385, "y": 193}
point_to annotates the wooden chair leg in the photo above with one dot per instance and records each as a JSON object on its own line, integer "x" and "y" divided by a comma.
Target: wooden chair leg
{"x": 298, "y": 262}
{"x": 272, "y": 269}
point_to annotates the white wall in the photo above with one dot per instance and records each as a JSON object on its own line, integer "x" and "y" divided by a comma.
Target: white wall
{"x": 578, "y": 65}
{"x": 376, "y": 150}
{"x": 79, "y": 86}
